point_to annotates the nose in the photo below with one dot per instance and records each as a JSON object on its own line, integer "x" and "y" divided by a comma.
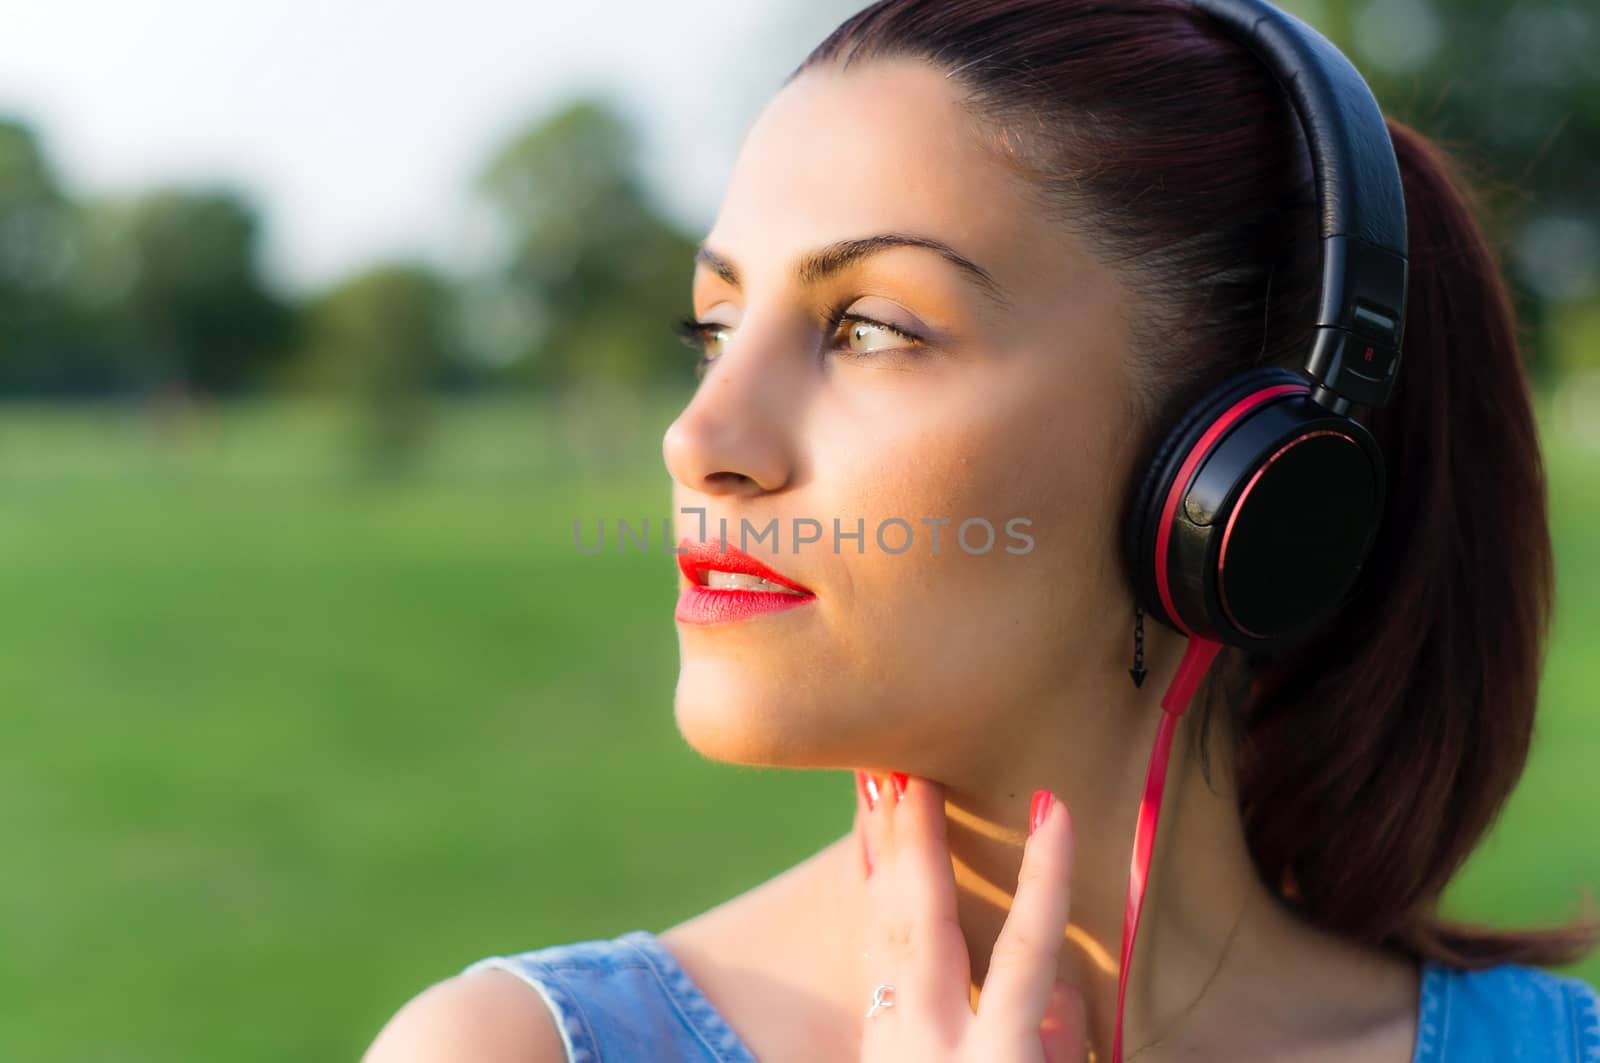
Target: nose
{"x": 735, "y": 437}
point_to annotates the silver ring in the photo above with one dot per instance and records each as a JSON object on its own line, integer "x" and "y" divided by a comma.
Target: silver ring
{"x": 878, "y": 1001}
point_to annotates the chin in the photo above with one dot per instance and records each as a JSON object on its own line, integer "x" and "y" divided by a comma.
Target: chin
{"x": 726, "y": 713}
{"x": 724, "y": 716}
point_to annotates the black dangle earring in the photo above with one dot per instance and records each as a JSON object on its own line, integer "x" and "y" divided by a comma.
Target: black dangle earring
{"x": 1137, "y": 671}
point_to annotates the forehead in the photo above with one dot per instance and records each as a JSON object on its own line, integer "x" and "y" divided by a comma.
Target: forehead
{"x": 883, "y": 147}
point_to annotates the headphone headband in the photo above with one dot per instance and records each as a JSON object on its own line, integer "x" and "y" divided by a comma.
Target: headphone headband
{"x": 1260, "y": 502}
{"x": 1361, "y": 315}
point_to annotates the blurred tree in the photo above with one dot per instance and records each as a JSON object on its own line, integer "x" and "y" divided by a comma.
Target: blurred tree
{"x": 595, "y": 269}
{"x": 36, "y": 250}
{"x": 1514, "y": 90}
{"x": 383, "y": 339}
{"x": 195, "y": 300}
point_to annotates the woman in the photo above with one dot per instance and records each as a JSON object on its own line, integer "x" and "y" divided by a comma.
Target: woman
{"x": 1096, "y": 214}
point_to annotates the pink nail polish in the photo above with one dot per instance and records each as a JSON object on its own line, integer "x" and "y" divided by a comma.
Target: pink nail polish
{"x": 867, "y": 788}
{"x": 1038, "y": 809}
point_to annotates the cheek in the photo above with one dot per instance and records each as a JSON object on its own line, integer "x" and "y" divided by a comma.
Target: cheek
{"x": 969, "y": 623}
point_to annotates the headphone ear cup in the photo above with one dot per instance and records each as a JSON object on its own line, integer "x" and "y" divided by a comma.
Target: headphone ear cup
{"x": 1256, "y": 513}
{"x": 1154, "y": 484}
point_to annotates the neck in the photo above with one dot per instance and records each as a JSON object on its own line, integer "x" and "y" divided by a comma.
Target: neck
{"x": 1204, "y": 909}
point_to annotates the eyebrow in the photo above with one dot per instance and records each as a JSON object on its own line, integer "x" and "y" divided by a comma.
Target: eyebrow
{"x": 824, "y": 262}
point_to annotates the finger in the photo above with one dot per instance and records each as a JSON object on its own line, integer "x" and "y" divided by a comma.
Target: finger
{"x": 938, "y": 976}
{"x": 887, "y": 932}
{"x": 860, "y": 825}
{"x": 1063, "y": 1033}
{"x": 1022, "y": 968}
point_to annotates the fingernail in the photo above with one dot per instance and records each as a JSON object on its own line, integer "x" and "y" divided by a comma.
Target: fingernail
{"x": 868, "y": 789}
{"x": 1038, "y": 809}
{"x": 899, "y": 780}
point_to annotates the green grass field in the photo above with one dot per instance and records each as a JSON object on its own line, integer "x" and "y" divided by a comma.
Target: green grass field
{"x": 283, "y": 744}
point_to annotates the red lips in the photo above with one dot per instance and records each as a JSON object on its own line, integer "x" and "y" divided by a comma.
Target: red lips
{"x": 701, "y": 604}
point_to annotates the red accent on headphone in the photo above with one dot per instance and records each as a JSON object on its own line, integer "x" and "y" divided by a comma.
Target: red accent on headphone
{"x": 1197, "y": 657}
{"x": 1181, "y": 482}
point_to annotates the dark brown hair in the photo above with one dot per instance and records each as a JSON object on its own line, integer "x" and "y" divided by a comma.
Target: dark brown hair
{"x": 1372, "y": 760}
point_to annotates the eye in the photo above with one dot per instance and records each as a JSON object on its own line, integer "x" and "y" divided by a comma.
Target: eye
{"x": 865, "y": 327}
{"x": 710, "y": 338}
{"x": 703, "y": 336}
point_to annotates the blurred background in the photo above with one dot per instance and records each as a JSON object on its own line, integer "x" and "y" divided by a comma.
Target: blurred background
{"x": 319, "y": 325}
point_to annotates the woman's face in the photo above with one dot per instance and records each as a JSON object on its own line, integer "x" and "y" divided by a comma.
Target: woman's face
{"x": 1010, "y": 406}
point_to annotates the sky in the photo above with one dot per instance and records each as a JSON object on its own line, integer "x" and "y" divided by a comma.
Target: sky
{"x": 357, "y": 126}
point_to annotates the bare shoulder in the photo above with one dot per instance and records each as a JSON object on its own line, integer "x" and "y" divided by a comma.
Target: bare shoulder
{"x": 488, "y": 1016}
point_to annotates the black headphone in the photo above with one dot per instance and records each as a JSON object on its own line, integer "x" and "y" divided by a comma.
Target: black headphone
{"x": 1262, "y": 501}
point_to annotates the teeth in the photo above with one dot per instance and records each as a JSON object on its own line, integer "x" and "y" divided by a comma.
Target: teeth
{"x": 739, "y": 581}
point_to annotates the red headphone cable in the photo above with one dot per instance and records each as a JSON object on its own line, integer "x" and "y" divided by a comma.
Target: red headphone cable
{"x": 1197, "y": 657}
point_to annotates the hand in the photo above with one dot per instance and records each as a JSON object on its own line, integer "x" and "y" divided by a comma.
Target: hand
{"x": 914, "y": 940}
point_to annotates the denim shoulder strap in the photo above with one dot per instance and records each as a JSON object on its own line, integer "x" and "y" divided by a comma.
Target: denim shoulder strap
{"x": 622, "y": 999}
{"x": 1509, "y": 1012}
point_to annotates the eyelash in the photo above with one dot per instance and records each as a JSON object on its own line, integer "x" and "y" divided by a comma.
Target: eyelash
{"x": 697, "y": 334}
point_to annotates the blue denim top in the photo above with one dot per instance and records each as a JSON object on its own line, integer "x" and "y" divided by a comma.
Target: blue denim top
{"x": 626, "y": 999}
